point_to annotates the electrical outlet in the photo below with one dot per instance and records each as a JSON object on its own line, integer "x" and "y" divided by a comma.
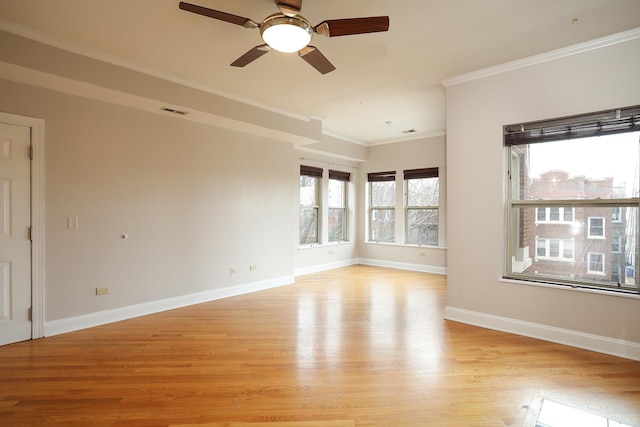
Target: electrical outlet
{"x": 421, "y": 254}
{"x": 252, "y": 268}
{"x": 103, "y": 291}
{"x": 330, "y": 252}
{"x": 232, "y": 271}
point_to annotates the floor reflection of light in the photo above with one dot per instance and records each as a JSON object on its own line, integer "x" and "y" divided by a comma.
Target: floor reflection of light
{"x": 422, "y": 338}
{"x": 333, "y": 334}
{"x": 306, "y": 343}
{"x": 382, "y": 309}
{"x": 554, "y": 414}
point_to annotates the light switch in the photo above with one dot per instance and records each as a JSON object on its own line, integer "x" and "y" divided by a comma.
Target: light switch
{"x": 72, "y": 222}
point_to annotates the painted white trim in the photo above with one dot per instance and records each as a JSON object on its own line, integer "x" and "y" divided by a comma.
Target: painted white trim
{"x": 37, "y": 217}
{"x": 553, "y": 55}
{"x": 404, "y": 266}
{"x": 324, "y": 267}
{"x": 90, "y": 320}
{"x": 598, "y": 343}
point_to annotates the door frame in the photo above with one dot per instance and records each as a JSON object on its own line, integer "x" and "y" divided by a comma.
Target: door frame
{"x": 37, "y": 217}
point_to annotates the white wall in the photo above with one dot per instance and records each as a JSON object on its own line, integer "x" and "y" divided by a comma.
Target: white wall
{"x": 476, "y": 111}
{"x": 193, "y": 199}
{"x": 421, "y": 153}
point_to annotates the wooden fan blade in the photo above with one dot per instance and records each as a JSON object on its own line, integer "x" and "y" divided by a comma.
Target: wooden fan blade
{"x": 216, "y": 14}
{"x": 347, "y": 27}
{"x": 289, "y": 7}
{"x": 316, "y": 59}
{"x": 251, "y": 56}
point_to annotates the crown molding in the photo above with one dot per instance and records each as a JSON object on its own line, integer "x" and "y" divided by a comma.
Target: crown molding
{"x": 553, "y": 55}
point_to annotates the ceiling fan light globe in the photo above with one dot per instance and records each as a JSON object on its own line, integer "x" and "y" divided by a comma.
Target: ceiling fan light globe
{"x": 286, "y": 34}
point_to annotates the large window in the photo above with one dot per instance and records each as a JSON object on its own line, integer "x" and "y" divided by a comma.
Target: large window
{"x": 422, "y": 199}
{"x": 382, "y": 206}
{"x": 310, "y": 178}
{"x": 337, "y": 223}
{"x": 573, "y": 200}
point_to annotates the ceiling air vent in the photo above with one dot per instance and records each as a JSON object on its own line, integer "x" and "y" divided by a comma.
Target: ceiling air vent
{"x": 174, "y": 111}
{"x": 409, "y": 131}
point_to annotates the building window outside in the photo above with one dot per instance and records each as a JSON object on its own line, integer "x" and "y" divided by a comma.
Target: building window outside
{"x": 573, "y": 195}
{"x": 596, "y": 228}
{"x": 382, "y": 206}
{"x": 596, "y": 263}
{"x": 616, "y": 214}
{"x": 422, "y": 200}
{"x": 616, "y": 244}
{"x": 337, "y": 221}
{"x": 310, "y": 178}
{"x": 554, "y": 249}
{"x": 554, "y": 214}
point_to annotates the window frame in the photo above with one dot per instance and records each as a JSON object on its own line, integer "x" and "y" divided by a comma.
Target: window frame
{"x": 422, "y": 173}
{"x": 591, "y": 235}
{"x": 344, "y": 178}
{"x": 316, "y": 174}
{"x": 517, "y": 260}
{"x": 372, "y": 179}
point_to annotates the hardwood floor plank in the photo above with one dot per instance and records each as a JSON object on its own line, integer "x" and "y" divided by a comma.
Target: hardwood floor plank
{"x": 357, "y": 346}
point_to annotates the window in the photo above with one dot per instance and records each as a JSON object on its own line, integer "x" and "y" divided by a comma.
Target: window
{"x": 422, "y": 199}
{"x": 616, "y": 244}
{"x": 554, "y": 249}
{"x": 596, "y": 263}
{"x": 309, "y": 204}
{"x": 338, "y": 205}
{"x": 596, "y": 228}
{"x": 572, "y": 195}
{"x": 616, "y": 214}
{"x": 554, "y": 214}
{"x": 382, "y": 206}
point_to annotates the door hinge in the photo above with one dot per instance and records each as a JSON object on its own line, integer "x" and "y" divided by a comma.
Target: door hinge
{"x": 30, "y": 314}
{"x": 31, "y": 152}
{"x": 31, "y": 233}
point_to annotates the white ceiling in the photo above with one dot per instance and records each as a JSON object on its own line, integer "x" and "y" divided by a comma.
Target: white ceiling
{"x": 384, "y": 84}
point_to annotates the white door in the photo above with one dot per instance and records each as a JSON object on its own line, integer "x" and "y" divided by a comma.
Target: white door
{"x": 15, "y": 241}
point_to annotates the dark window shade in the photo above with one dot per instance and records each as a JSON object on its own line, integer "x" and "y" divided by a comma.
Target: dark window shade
{"x": 310, "y": 171}
{"x": 339, "y": 175}
{"x": 381, "y": 176}
{"x": 581, "y": 126}
{"x": 420, "y": 173}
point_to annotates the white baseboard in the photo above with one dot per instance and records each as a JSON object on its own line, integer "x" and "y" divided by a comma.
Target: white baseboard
{"x": 324, "y": 267}
{"x": 404, "y": 266}
{"x": 612, "y": 346}
{"x": 76, "y": 323}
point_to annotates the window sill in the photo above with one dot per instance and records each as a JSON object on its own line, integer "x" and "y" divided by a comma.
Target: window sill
{"x": 568, "y": 287}
{"x": 405, "y": 245}
{"x": 318, "y": 245}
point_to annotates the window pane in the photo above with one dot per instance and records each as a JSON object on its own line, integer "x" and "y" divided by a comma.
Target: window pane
{"x": 596, "y": 227}
{"x": 308, "y": 190}
{"x": 383, "y": 193}
{"x": 588, "y": 168}
{"x": 422, "y": 226}
{"x": 336, "y": 193}
{"x": 423, "y": 192}
{"x": 383, "y": 223}
{"x": 336, "y": 224}
{"x": 554, "y": 214}
{"x": 308, "y": 225}
{"x": 568, "y": 251}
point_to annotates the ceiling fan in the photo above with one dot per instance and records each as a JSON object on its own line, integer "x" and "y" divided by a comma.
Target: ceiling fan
{"x": 288, "y": 31}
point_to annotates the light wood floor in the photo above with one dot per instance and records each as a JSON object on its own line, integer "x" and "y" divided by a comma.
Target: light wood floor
{"x": 358, "y": 346}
